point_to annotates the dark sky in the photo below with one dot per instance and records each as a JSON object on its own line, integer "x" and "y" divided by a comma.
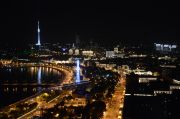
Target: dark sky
{"x": 130, "y": 22}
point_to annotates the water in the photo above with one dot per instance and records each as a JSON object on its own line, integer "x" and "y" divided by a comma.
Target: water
{"x": 19, "y": 83}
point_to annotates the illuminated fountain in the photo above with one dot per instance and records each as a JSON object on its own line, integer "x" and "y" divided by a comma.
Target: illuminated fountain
{"x": 77, "y": 80}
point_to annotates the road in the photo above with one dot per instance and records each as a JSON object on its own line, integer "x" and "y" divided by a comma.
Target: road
{"x": 41, "y": 104}
{"x": 68, "y": 76}
{"x": 116, "y": 103}
{"x": 44, "y": 105}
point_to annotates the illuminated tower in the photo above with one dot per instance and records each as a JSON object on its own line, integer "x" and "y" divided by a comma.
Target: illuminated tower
{"x": 38, "y": 30}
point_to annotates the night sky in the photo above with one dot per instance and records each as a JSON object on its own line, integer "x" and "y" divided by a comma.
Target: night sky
{"x": 127, "y": 23}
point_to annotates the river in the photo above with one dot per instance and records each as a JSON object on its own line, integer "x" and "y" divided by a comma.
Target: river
{"x": 17, "y": 83}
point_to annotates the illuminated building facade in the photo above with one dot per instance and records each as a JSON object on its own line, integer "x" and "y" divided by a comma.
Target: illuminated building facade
{"x": 109, "y": 54}
{"x": 165, "y": 48}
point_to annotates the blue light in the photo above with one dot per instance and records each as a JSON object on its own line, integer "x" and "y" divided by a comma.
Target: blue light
{"x": 39, "y": 78}
{"x": 39, "y": 75}
{"x": 77, "y": 72}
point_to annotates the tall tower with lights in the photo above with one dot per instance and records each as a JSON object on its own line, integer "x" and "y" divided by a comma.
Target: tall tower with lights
{"x": 39, "y": 41}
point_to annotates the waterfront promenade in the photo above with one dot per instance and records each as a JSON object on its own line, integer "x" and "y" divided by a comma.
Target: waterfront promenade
{"x": 67, "y": 79}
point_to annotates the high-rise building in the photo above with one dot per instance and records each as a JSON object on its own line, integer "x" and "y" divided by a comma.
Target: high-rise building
{"x": 165, "y": 48}
{"x": 77, "y": 40}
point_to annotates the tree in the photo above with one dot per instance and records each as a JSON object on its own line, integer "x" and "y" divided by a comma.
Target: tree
{"x": 97, "y": 109}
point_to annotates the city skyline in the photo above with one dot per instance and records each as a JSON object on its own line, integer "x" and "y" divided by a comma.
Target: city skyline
{"x": 129, "y": 23}
{"x": 89, "y": 61}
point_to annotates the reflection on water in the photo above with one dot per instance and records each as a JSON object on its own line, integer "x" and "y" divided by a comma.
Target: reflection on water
{"x": 19, "y": 83}
{"x": 39, "y": 78}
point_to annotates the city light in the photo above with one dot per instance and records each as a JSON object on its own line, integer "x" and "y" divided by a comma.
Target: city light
{"x": 91, "y": 63}
{"x": 77, "y": 71}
